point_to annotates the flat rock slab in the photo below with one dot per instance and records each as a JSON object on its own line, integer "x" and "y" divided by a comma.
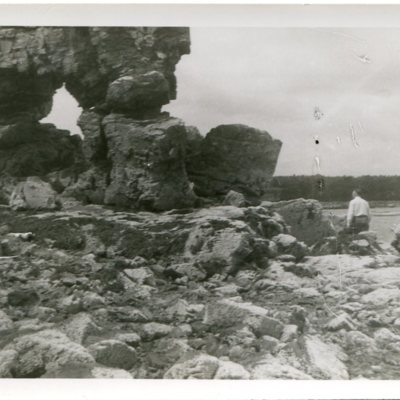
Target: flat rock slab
{"x": 324, "y": 358}
{"x": 230, "y": 313}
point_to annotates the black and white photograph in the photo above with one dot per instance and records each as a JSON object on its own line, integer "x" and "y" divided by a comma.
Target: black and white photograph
{"x": 199, "y": 202}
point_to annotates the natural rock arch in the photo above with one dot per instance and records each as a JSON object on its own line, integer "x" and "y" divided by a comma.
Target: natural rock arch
{"x": 133, "y": 155}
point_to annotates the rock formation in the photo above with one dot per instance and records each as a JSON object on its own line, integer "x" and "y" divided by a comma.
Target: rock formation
{"x": 305, "y": 217}
{"x": 121, "y": 77}
{"x": 233, "y": 157}
{"x": 132, "y": 155}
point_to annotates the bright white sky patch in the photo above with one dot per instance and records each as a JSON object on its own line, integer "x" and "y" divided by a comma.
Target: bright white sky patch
{"x": 65, "y": 112}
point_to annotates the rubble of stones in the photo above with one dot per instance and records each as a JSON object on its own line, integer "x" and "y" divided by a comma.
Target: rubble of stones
{"x": 223, "y": 292}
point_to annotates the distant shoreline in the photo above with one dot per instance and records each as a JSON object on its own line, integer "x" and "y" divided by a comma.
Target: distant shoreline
{"x": 333, "y": 205}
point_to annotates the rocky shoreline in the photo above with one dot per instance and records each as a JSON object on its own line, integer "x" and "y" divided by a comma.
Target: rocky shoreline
{"x": 146, "y": 250}
{"x": 215, "y": 293}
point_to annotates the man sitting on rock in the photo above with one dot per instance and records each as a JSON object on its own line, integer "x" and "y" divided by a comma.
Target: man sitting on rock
{"x": 358, "y": 215}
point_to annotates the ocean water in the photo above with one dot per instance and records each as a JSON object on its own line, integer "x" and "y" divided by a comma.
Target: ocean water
{"x": 383, "y": 220}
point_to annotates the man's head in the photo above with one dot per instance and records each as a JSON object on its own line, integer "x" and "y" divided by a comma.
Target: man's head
{"x": 356, "y": 192}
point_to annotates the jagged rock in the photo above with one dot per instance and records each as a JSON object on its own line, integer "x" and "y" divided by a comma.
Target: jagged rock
{"x": 236, "y": 199}
{"x": 6, "y": 322}
{"x": 230, "y": 313}
{"x": 49, "y": 353}
{"x": 22, "y": 297}
{"x": 328, "y": 245}
{"x": 131, "y": 339}
{"x": 231, "y": 370}
{"x": 142, "y": 275}
{"x": 227, "y": 290}
{"x": 178, "y": 311}
{"x": 288, "y": 244}
{"x": 154, "y": 330}
{"x": 167, "y": 351}
{"x": 289, "y": 333}
{"x": 28, "y": 148}
{"x": 45, "y": 314}
{"x": 8, "y": 359}
{"x": 324, "y": 358}
{"x": 193, "y": 142}
{"x": 7, "y": 186}
{"x": 110, "y": 373}
{"x": 79, "y": 327}
{"x": 384, "y": 336}
{"x": 222, "y": 243}
{"x": 34, "y": 194}
{"x": 268, "y": 343}
{"x": 343, "y": 321}
{"x": 92, "y": 301}
{"x": 308, "y": 293}
{"x": 298, "y": 269}
{"x": 396, "y": 242}
{"x": 234, "y": 157}
{"x": 147, "y": 158}
{"x": 277, "y": 368}
{"x": 359, "y": 341}
{"x": 359, "y": 247}
{"x": 70, "y": 304}
{"x": 381, "y": 296}
{"x": 363, "y": 243}
{"x": 141, "y": 93}
{"x": 194, "y": 273}
{"x": 13, "y": 245}
{"x": 198, "y": 367}
{"x": 305, "y": 218}
{"x": 94, "y": 145}
{"x": 113, "y": 353}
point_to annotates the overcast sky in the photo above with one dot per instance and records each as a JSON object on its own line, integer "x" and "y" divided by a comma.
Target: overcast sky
{"x": 340, "y": 85}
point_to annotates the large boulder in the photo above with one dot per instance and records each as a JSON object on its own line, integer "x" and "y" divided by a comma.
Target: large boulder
{"x": 234, "y": 157}
{"x": 227, "y": 313}
{"x": 29, "y": 148}
{"x": 49, "y": 353}
{"x": 206, "y": 367}
{"x": 198, "y": 367}
{"x": 138, "y": 94}
{"x": 272, "y": 367}
{"x": 113, "y": 353}
{"x": 147, "y": 158}
{"x": 289, "y": 245}
{"x": 34, "y": 194}
{"x": 325, "y": 359}
{"x": 305, "y": 218}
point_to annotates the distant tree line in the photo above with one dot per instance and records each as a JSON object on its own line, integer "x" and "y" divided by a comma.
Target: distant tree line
{"x": 337, "y": 188}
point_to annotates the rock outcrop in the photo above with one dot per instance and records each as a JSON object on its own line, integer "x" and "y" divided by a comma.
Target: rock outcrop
{"x": 132, "y": 155}
{"x": 234, "y": 157}
{"x": 305, "y": 218}
{"x": 213, "y": 293}
{"x": 34, "y": 194}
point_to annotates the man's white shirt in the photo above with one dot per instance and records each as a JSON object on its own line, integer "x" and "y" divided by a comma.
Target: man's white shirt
{"x": 357, "y": 207}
